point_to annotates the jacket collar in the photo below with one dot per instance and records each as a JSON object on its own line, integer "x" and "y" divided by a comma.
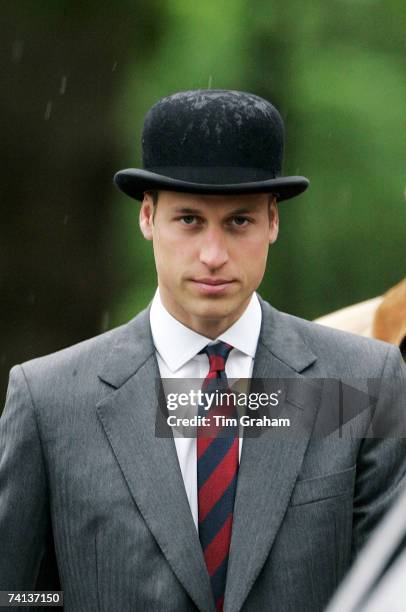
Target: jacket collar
{"x": 134, "y": 344}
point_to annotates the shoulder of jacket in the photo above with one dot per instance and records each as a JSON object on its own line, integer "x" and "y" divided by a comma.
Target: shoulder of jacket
{"x": 336, "y": 350}
{"x": 90, "y": 352}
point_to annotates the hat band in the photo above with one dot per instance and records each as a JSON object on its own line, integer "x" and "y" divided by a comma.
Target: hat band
{"x": 214, "y": 175}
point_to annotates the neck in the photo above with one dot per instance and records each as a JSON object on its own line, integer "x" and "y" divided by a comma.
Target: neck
{"x": 205, "y": 326}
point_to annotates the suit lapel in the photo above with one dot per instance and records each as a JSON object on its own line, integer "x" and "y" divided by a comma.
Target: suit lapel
{"x": 270, "y": 463}
{"x": 149, "y": 463}
{"x": 268, "y": 469}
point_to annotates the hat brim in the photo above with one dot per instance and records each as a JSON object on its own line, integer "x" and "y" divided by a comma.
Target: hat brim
{"x": 135, "y": 181}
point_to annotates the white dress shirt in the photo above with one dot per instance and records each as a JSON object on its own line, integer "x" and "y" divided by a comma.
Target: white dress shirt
{"x": 177, "y": 348}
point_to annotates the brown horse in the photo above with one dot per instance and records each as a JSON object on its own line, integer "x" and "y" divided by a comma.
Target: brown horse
{"x": 382, "y": 317}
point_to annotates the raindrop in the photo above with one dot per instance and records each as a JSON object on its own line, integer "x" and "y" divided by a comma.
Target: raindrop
{"x": 114, "y": 67}
{"x": 210, "y": 82}
{"x": 105, "y": 320}
{"x": 48, "y": 110}
{"x": 65, "y": 219}
{"x": 62, "y": 87}
{"x": 17, "y": 51}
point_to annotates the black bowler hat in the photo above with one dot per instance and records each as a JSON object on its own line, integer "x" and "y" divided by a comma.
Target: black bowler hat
{"x": 212, "y": 141}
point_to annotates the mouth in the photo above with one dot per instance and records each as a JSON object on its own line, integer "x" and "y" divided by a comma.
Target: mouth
{"x": 211, "y": 286}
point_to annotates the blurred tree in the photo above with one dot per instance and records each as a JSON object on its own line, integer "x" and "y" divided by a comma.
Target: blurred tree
{"x": 61, "y": 71}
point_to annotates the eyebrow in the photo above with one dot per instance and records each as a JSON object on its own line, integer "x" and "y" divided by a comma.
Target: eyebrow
{"x": 197, "y": 211}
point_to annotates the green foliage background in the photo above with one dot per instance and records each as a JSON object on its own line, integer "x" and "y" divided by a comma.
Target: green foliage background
{"x": 336, "y": 72}
{"x": 76, "y": 80}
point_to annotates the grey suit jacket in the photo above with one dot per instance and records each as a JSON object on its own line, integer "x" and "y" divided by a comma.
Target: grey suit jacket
{"x": 79, "y": 461}
{"x": 376, "y": 582}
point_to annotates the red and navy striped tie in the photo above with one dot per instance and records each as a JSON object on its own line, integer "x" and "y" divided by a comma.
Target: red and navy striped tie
{"x": 217, "y": 468}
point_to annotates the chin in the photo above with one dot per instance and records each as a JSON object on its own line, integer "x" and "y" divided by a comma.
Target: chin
{"x": 213, "y": 309}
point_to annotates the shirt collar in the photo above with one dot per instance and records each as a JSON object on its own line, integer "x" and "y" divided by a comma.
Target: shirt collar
{"x": 177, "y": 344}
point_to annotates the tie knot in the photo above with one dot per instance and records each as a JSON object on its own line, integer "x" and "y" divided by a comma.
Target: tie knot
{"x": 217, "y": 354}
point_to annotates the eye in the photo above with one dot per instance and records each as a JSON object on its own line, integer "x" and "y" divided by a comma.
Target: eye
{"x": 188, "y": 219}
{"x": 241, "y": 221}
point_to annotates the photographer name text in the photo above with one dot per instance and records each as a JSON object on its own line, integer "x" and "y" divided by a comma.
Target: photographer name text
{"x": 222, "y": 421}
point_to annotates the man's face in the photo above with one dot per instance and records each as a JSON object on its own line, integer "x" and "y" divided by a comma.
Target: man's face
{"x": 210, "y": 253}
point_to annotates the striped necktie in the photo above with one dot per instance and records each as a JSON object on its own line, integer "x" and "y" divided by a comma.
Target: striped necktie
{"x": 217, "y": 468}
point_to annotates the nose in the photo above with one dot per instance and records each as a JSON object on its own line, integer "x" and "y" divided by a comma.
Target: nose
{"x": 213, "y": 250}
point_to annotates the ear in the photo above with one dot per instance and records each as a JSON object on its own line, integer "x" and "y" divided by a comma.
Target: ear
{"x": 274, "y": 221}
{"x": 146, "y": 214}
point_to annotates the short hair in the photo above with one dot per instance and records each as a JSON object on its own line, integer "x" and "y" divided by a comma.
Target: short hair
{"x": 154, "y": 195}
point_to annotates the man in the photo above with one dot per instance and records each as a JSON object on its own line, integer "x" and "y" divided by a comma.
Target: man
{"x": 144, "y": 521}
